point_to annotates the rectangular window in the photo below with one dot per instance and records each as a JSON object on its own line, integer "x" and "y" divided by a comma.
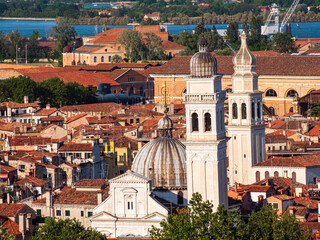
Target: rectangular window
{"x": 58, "y": 212}
{"x": 137, "y": 120}
{"x": 89, "y": 214}
{"x": 38, "y": 212}
{"x": 82, "y": 213}
{"x": 275, "y": 206}
{"x": 130, "y": 205}
{"x": 67, "y": 213}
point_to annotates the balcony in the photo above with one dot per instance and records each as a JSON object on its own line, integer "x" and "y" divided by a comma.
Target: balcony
{"x": 209, "y": 98}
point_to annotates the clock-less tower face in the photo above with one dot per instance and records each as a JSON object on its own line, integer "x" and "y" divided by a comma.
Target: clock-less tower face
{"x": 206, "y": 136}
{"x": 245, "y": 126}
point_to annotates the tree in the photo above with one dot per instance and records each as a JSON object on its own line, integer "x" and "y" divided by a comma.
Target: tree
{"x": 63, "y": 33}
{"x": 132, "y": 40}
{"x": 68, "y": 229}
{"x": 198, "y": 221}
{"x": 154, "y": 46}
{"x": 17, "y": 44}
{"x": 14, "y": 89}
{"x": 232, "y": 33}
{"x": 33, "y": 47}
{"x": 283, "y": 43}
{"x": 116, "y": 59}
{"x": 6, "y": 236}
{"x": 54, "y": 92}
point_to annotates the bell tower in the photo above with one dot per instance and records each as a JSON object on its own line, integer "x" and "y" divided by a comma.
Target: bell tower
{"x": 246, "y": 128}
{"x": 206, "y": 140}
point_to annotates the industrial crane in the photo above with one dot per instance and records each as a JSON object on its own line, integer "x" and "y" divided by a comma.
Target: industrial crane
{"x": 274, "y": 12}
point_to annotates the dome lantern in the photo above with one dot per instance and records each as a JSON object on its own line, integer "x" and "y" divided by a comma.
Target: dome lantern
{"x": 203, "y": 64}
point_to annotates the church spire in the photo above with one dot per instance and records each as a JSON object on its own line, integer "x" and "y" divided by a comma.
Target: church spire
{"x": 244, "y": 77}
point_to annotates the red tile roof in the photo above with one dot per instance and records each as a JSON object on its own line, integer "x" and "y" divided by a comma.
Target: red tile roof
{"x": 44, "y": 111}
{"x": 18, "y": 105}
{"x": 10, "y": 210}
{"x": 91, "y": 183}
{"x": 11, "y": 227}
{"x": 35, "y": 182}
{"x": 310, "y": 160}
{"x": 6, "y": 168}
{"x": 306, "y": 202}
{"x": 297, "y": 210}
{"x": 82, "y": 77}
{"x": 69, "y": 147}
{"x": 125, "y": 142}
{"x": 28, "y": 141}
{"x": 95, "y": 107}
{"x": 266, "y": 65}
{"x": 75, "y": 117}
{"x": 171, "y": 45}
{"x": 53, "y": 119}
{"x": 315, "y": 131}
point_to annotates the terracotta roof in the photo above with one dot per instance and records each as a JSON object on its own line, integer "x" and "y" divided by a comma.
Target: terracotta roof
{"x": 266, "y": 65}
{"x": 95, "y": 107}
{"x": 282, "y": 197}
{"x": 115, "y": 74}
{"x": 281, "y": 183}
{"x": 53, "y": 119}
{"x": 306, "y": 202}
{"x": 297, "y": 210}
{"x": 264, "y": 53}
{"x": 171, "y": 45}
{"x": 124, "y": 142}
{"x": 6, "y": 168}
{"x": 315, "y": 131}
{"x": 82, "y": 77}
{"x": 272, "y": 138}
{"x": 28, "y": 141}
{"x": 89, "y": 48}
{"x": 154, "y": 14}
{"x": 71, "y": 165}
{"x": 10, "y": 210}
{"x": 300, "y": 42}
{"x": 125, "y": 65}
{"x": 69, "y": 147}
{"x": 18, "y": 105}
{"x": 11, "y": 227}
{"x": 295, "y": 161}
{"x": 44, "y": 111}
{"x": 103, "y": 120}
{"x": 75, "y": 117}
{"x": 36, "y": 182}
{"x": 90, "y": 183}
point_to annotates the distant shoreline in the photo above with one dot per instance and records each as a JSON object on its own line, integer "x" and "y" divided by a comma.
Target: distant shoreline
{"x": 30, "y": 19}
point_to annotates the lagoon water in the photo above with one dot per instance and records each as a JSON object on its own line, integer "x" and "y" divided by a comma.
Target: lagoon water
{"x": 25, "y": 27}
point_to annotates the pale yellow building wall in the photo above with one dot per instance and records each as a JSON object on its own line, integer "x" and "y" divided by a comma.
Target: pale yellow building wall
{"x": 176, "y": 85}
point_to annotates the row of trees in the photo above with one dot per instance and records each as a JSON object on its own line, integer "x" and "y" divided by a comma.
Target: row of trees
{"x": 52, "y": 91}
{"x": 198, "y": 221}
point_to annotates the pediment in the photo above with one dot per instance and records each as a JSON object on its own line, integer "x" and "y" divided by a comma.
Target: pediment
{"x": 129, "y": 176}
{"x": 154, "y": 216}
{"x": 103, "y": 216}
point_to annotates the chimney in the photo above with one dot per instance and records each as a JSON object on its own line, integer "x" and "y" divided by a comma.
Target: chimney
{"x": 8, "y": 198}
{"x": 48, "y": 198}
{"x": 48, "y": 106}
{"x": 236, "y": 187}
{"x": 260, "y": 202}
{"x": 22, "y": 223}
{"x": 26, "y": 99}
{"x": 100, "y": 196}
{"x": 291, "y": 211}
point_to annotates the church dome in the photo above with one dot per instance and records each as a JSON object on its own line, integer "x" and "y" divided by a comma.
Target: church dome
{"x": 203, "y": 64}
{"x": 163, "y": 159}
{"x": 244, "y": 57}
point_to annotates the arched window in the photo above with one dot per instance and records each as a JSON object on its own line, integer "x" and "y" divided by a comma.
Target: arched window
{"x": 271, "y": 93}
{"x": 180, "y": 197}
{"x": 266, "y": 174}
{"x": 291, "y": 109}
{"x": 294, "y": 176}
{"x": 257, "y": 176}
{"x": 95, "y": 59}
{"x": 109, "y": 58}
{"x": 272, "y": 110}
{"x": 207, "y": 122}
{"x": 102, "y": 59}
{"x": 292, "y": 93}
{"x": 234, "y": 111}
{"x": 243, "y": 111}
{"x": 253, "y": 115}
{"x": 259, "y": 109}
{"x": 195, "y": 125}
{"x": 276, "y": 174}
